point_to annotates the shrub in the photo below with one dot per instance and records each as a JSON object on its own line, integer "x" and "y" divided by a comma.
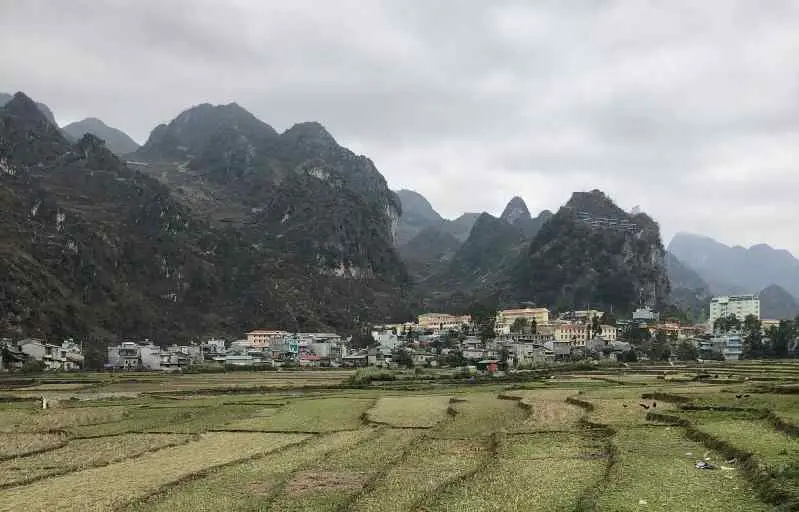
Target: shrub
{"x": 365, "y": 376}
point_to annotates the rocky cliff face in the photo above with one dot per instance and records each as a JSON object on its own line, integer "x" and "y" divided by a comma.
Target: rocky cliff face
{"x": 90, "y": 248}
{"x": 298, "y": 192}
{"x": 44, "y": 109}
{"x": 592, "y": 252}
{"x": 246, "y": 228}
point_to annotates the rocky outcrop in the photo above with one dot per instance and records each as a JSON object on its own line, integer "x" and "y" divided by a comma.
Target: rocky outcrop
{"x": 592, "y": 252}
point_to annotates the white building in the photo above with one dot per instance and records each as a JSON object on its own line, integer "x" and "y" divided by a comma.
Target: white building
{"x": 67, "y": 356}
{"x": 739, "y": 305}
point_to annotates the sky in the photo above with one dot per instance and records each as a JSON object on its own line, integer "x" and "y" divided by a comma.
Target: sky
{"x": 688, "y": 109}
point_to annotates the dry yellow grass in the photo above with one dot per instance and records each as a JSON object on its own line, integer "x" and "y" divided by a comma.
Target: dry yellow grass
{"x": 430, "y": 465}
{"x": 248, "y": 485}
{"x": 83, "y": 453}
{"x": 109, "y": 487}
{"x": 409, "y": 411}
{"x": 37, "y": 420}
{"x": 528, "y": 474}
{"x": 547, "y": 410}
{"x": 614, "y": 412}
{"x": 14, "y": 445}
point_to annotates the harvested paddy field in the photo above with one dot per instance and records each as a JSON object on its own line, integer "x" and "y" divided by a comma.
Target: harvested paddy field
{"x": 248, "y": 441}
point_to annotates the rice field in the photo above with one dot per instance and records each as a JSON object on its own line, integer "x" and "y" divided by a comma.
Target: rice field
{"x": 245, "y": 441}
{"x": 409, "y": 411}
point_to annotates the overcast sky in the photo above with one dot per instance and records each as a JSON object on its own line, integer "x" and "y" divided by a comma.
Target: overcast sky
{"x": 689, "y": 109}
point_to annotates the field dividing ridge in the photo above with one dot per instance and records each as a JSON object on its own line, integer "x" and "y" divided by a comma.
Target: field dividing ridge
{"x": 117, "y": 484}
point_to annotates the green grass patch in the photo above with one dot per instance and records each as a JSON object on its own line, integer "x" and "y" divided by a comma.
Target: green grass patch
{"x": 480, "y": 415}
{"x": 525, "y": 476}
{"x": 655, "y": 470}
{"x": 332, "y": 483}
{"x": 116, "y": 485}
{"x": 83, "y": 453}
{"x": 430, "y": 465}
{"x": 310, "y": 415}
{"x": 409, "y": 411}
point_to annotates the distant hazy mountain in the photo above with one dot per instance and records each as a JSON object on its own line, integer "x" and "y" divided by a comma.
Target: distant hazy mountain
{"x": 418, "y": 214}
{"x": 462, "y": 226}
{"x": 689, "y": 291}
{"x": 736, "y": 269}
{"x": 5, "y": 98}
{"x": 492, "y": 248}
{"x": 777, "y": 304}
{"x": 117, "y": 141}
{"x": 428, "y": 252}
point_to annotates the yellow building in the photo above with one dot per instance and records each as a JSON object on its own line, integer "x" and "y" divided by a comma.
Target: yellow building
{"x": 578, "y": 332}
{"x": 442, "y": 321}
{"x": 506, "y": 317}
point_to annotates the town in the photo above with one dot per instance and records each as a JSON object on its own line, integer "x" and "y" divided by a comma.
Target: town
{"x": 493, "y": 341}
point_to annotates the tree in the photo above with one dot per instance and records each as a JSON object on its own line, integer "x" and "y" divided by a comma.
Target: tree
{"x": 752, "y": 338}
{"x": 454, "y": 359}
{"x": 726, "y": 324}
{"x": 533, "y": 326}
{"x": 484, "y": 317}
{"x": 608, "y": 319}
{"x": 659, "y": 349}
{"x": 504, "y": 354}
{"x": 596, "y": 327}
{"x": 402, "y": 358}
{"x": 780, "y": 338}
{"x": 363, "y": 339}
{"x": 519, "y": 325}
{"x": 635, "y": 334}
{"x": 686, "y": 351}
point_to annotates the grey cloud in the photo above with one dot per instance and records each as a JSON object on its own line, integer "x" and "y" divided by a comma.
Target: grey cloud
{"x": 685, "y": 108}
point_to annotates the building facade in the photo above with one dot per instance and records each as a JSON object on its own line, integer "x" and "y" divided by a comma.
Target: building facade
{"x": 263, "y": 337}
{"x": 740, "y": 306}
{"x": 442, "y": 321}
{"x": 507, "y": 317}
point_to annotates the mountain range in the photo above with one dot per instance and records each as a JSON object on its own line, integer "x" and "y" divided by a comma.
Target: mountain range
{"x": 719, "y": 269}
{"x": 220, "y": 223}
{"x": 590, "y": 252}
{"x": 418, "y": 214}
{"x": 226, "y": 226}
{"x": 737, "y": 269}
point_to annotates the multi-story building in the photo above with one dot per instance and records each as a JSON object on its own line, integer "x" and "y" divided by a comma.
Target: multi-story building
{"x": 730, "y": 346}
{"x": 442, "y": 321}
{"x": 507, "y": 317}
{"x": 740, "y": 306}
{"x": 578, "y": 333}
{"x": 645, "y": 315}
{"x": 67, "y": 356}
{"x": 263, "y": 337}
